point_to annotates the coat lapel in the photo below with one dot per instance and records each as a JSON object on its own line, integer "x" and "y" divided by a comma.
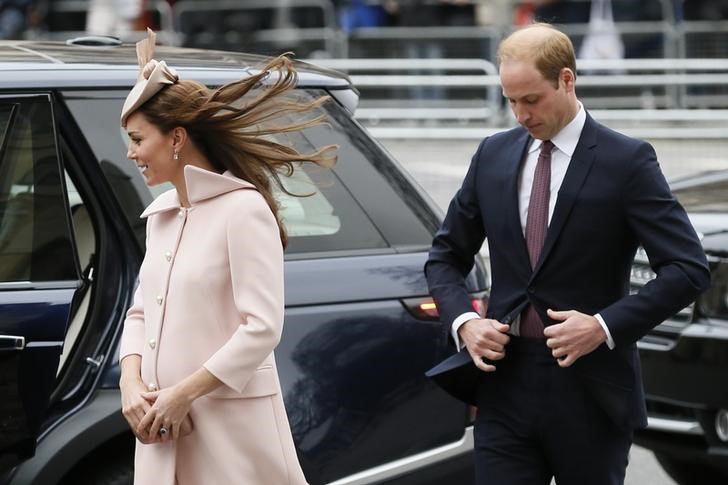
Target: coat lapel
{"x": 581, "y": 162}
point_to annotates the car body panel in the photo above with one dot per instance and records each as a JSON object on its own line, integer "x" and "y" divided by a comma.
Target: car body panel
{"x": 685, "y": 358}
{"x": 39, "y": 316}
{"x": 353, "y": 353}
{"x": 680, "y": 374}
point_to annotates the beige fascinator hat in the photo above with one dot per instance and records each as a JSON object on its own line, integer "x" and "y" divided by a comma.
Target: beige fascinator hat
{"x": 153, "y": 76}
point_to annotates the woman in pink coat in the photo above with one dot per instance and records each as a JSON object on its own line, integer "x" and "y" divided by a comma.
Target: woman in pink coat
{"x": 199, "y": 383}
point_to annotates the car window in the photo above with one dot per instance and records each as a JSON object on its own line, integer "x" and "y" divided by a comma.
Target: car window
{"x": 35, "y": 240}
{"x": 378, "y": 184}
{"x": 363, "y": 204}
{"x": 97, "y": 115}
{"x": 5, "y": 112}
{"x": 310, "y": 215}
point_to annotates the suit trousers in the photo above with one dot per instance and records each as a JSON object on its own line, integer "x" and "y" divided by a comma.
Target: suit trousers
{"x": 536, "y": 422}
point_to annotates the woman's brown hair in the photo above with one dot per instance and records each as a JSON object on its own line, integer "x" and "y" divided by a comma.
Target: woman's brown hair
{"x": 232, "y": 125}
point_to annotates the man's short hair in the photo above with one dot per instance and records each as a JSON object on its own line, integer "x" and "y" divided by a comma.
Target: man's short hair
{"x": 548, "y": 48}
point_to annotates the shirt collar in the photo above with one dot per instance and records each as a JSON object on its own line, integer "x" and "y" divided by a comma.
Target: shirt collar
{"x": 567, "y": 139}
{"x": 201, "y": 185}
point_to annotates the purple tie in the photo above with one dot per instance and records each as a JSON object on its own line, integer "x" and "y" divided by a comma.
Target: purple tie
{"x": 536, "y": 224}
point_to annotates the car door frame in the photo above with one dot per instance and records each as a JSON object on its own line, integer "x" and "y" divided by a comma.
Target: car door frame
{"x": 34, "y": 314}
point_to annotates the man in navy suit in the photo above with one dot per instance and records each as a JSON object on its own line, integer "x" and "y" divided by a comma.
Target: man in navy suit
{"x": 564, "y": 203}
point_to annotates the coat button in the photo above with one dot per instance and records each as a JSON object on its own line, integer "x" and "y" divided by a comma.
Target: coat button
{"x": 181, "y": 213}
{"x": 152, "y": 343}
{"x": 168, "y": 256}
{"x": 160, "y": 299}
{"x": 152, "y": 386}
{"x": 507, "y": 320}
{"x": 531, "y": 289}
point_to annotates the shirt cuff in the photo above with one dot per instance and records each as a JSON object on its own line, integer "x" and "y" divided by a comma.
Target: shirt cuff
{"x": 459, "y": 321}
{"x": 610, "y": 342}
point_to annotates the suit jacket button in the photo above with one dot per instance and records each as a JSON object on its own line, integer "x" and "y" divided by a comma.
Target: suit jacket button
{"x": 152, "y": 387}
{"x": 160, "y": 299}
{"x": 168, "y": 256}
{"x": 507, "y": 320}
{"x": 152, "y": 343}
{"x": 531, "y": 289}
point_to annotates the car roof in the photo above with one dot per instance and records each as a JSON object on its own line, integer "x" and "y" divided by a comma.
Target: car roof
{"x": 29, "y": 64}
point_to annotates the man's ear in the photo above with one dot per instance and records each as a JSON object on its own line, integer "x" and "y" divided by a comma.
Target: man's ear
{"x": 568, "y": 77}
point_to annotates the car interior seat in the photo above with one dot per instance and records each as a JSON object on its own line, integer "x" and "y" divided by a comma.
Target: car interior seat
{"x": 86, "y": 248}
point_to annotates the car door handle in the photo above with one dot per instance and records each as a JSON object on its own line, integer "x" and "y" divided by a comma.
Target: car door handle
{"x": 11, "y": 342}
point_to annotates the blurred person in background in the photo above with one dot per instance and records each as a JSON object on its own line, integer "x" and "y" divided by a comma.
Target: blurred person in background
{"x": 432, "y": 13}
{"x": 551, "y": 11}
{"x": 704, "y": 9}
{"x": 355, "y": 14}
{"x": 114, "y": 17}
{"x": 14, "y": 16}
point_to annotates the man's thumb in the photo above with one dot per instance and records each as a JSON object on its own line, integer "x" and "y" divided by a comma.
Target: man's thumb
{"x": 502, "y": 327}
{"x": 557, "y": 315}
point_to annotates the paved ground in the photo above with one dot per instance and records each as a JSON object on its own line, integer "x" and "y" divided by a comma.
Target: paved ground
{"x": 439, "y": 167}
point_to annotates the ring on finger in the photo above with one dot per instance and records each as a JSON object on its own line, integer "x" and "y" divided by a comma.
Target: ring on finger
{"x": 163, "y": 431}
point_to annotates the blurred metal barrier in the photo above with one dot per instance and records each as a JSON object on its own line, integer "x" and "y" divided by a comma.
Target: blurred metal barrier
{"x": 703, "y": 39}
{"x": 647, "y": 98}
{"x": 438, "y": 41}
{"x": 478, "y": 133}
{"x": 263, "y": 26}
{"x": 405, "y": 96}
{"x": 310, "y": 28}
{"x": 648, "y": 39}
{"x": 654, "y": 83}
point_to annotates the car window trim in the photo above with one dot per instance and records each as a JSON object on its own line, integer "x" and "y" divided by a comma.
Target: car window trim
{"x": 338, "y": 253}
{"x": 40, "y": 285}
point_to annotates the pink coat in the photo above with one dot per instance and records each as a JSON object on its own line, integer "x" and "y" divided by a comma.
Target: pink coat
{"x": 211, "y": 294}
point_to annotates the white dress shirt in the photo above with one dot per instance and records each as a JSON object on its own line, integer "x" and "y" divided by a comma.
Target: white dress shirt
{"x": 564, "y": 145}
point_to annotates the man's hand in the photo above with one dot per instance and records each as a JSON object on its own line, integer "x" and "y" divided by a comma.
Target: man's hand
{"x": 578, "y": 334}
{"x": 484, "y": 338}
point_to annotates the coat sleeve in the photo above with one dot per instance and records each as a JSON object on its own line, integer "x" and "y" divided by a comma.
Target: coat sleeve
{"x": 675, "y": 253}
{"x": 132, "y": 337}
{"x": 255, "y": 253}
{"x": 454, "y": 248}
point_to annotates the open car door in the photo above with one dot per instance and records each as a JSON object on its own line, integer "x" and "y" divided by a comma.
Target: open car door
{"x": 39, "y": 273}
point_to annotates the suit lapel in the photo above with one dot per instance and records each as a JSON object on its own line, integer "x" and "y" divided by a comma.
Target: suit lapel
{"x": 579, "y": 166}
{"x": 514, "y": 163}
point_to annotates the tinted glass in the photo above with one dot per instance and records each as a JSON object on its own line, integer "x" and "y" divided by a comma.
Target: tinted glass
{"x": 378, "y": 183}
{"x": 97, "y": 114}
{"x": 5, "y": 112}
{"x": 35, "y": 240}
{"x": 364, "y": 203}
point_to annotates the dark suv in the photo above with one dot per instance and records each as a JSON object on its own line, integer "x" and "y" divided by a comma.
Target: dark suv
{"x": 360, "y": 327}
{"x": 685, "y": 359}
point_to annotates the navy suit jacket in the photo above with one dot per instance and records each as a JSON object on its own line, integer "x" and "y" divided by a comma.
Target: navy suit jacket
{"x": 613, "y": 199}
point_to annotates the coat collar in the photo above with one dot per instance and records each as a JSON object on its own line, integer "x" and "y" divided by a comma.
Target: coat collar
{"x": 201, "y": 185}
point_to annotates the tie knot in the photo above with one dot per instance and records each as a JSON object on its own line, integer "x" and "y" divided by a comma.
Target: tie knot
{"x": 546, "y": 147}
